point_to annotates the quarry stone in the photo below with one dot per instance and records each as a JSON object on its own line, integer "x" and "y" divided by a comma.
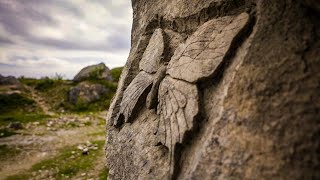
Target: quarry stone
{"x": 227, "y": 90}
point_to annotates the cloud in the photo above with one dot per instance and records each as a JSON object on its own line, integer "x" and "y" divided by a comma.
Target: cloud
{"x": 59, "y": 35}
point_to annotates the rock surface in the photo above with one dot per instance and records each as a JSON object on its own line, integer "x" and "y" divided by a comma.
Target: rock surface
{"x": 86, "y": 92}
{"x": 9, "y": 80}
{"x": 98, "y": 71}
{"x": 218, "y": 89}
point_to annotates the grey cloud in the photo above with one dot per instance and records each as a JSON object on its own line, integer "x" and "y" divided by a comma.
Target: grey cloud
{"x": 4, "y": 40}
{"x": 19, "y": 20}
{"x": 4, "y": 65}
{"x": 113, "y": 43}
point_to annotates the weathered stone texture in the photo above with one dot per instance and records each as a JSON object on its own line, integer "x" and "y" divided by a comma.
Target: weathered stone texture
{"x": 230, "y": 90}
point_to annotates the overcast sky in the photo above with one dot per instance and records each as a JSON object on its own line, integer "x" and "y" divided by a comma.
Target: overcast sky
{"x": 43, "y": 37}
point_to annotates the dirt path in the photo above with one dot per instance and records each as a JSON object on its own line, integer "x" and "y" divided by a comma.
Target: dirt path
{"x": 41, "y": 143}
{"x": 40, "y": 101}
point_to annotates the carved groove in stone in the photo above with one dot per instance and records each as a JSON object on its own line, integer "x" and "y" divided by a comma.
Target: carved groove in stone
{"x": 132, "y": 97}
{"x": 205, "y": 50}
{"x": 153, "y": 55}
{"x": 152, "y": 98}
{"x": 178, "y": 107}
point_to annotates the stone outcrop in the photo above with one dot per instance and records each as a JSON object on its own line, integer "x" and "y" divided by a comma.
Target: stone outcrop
{"x": 218, "y": 89}
{"x": 9, "y": 80}
{"x": 86, "y": 93}
{"x": 98, "y": 71}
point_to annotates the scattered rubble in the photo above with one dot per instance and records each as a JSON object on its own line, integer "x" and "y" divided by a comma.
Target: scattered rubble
{"x": 85, "y": 148}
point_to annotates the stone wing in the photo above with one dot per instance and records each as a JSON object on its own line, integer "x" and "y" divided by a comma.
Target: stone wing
{"x": 202, "y": 53}
{"x": 152, "y": 56}
{"x": 133, "y": 97}
{"x": 178, "y": 107}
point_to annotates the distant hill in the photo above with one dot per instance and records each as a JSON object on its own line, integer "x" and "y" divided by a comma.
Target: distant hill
{"x": 45, "y": 96}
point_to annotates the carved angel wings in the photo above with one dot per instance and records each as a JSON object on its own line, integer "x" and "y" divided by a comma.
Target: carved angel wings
{"x": 172, "y": 88}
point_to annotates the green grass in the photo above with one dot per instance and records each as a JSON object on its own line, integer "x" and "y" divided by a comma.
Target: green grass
{"x": 19, "y": 108}
{"x": 67, "y": 163}
{"x": 56, "y": 92}
{"x": 115, "y": 73}
{"x": 7, "y": 152}
{"x": 4, "y": 132}
{"x": 22, "y": 117}
{"x": 15, "y": 101}
{"x": 103, "y": 175}
{"x": 99, "y": 133}
{"x": 43, "y": 84}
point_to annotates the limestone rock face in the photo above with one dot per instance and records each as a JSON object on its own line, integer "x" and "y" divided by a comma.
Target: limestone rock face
{"x": 218, "y": 89}
{"x": 98, "y": 71}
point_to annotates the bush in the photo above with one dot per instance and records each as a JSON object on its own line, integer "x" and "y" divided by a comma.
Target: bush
{"x": 44, "y": 83}
{"x": 116, "y": 73}
{"x": 13, "y": 102}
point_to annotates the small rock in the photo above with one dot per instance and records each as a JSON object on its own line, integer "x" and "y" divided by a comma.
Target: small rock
{"x": 80, "y": 147}
{"x": 15, "y": 125}
{"x": 36, "y": 123}
{"x": 50, "y": 123}
{"x": 94, "y": 148}
{"x": 85, "y": 151}
{"x": 83, "y": 174}
{"x": 88, "y": 143}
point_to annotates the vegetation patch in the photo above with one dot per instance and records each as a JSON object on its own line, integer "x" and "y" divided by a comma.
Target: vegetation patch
{"x": 13, "y": 102}
{"x": 43, "y": 84}
{"x": 19, "y": 108}
{"x": 115, "y": 73}
{"x": 5, "y": 132}
{"x": 67, "y": 164}
{"x": 103, "y": 175}
{"x": 22, "y": 117}
{"x": 7, "y": 152}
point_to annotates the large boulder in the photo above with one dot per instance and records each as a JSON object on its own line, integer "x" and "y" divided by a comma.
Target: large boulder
{"x": 86, "y": 93}
{"x": 9, "y": 80}
{"x": 218, "y": 89}
{"x": 98, "y": 71}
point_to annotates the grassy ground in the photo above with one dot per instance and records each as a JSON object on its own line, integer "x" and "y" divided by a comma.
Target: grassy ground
{"x": 7, "y": 152}
{"x": 46, "y": 147}
{"x": 67, "y": 164}
{"x": 18, "y": 108}
{"x": 56, "y": 92}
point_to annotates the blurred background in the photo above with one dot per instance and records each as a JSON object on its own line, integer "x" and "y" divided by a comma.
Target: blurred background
{"x": 60, "y": 62}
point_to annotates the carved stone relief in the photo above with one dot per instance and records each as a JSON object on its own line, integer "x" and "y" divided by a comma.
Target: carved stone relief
{"x": 200, "y": 96}
{"x": 171, "y": 88}
{"x": 205, "y": 50}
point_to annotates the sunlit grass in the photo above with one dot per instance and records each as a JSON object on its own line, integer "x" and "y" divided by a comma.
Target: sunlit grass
{"x": 68, "y": 163}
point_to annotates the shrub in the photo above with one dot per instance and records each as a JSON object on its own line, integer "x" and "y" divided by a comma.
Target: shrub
{"x": 115, "y": 73}
{"x": 14, "y": 101}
